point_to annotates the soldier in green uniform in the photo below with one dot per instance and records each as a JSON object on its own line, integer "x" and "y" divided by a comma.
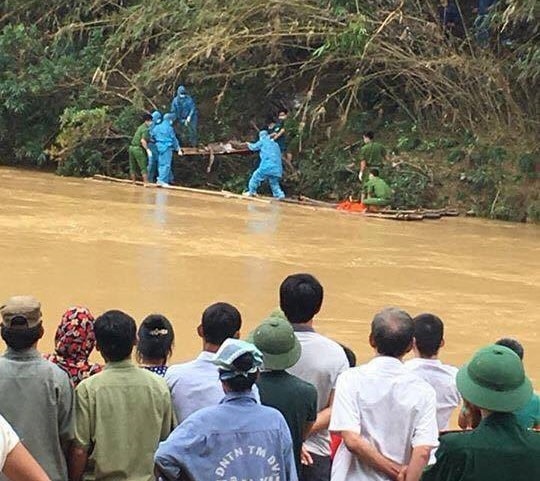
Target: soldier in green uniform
{"x": 376, "y": 192}
{"x": 499, "y": 449}
{"x": 372, "y": 154}
{"x": 139, "y": 152}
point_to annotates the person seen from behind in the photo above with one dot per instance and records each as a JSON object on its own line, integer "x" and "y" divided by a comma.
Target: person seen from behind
{"x": 122, "y": 413}
{"x": 74, "y": 342}
{"x": 155, "y": 343}
{"x": 292, "y": 397}
{"x": 385, "y": 414}
{"x": 428, "y": 340}
{"x": 321, "y": 362}
{"x": 372, "y": 154}
{"x": 498, "y": 449}
{"x": 36, "y": 396}
{"x": 195, "y": 385}
{"x": 528, "y": 416}
{"x": 238, "y": 438}
{"x": 16, "y": 463}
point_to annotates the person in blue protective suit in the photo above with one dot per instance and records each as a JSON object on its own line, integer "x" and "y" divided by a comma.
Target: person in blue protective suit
{"x": 166, "y": 142}
{"x": 157, "y": 117}
{"x": 185, "y": 110}
{"x": 270, "y": 168}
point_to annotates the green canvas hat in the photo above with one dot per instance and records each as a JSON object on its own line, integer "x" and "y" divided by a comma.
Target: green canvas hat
{"x": 276, "y": 340}
{"x": 495, "y": 379}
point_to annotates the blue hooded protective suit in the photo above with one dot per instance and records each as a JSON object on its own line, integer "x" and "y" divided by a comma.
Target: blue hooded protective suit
{"x": 166, "y": 142}
{"x": 157, "y": 117}
{"x": 270, "y": 167}
{"x": 184, "y": 108}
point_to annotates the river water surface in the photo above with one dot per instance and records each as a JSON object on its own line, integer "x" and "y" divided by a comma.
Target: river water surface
{"x": 69, "y": 241}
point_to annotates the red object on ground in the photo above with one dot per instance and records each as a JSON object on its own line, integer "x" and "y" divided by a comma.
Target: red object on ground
{"x": 349, "y": 206}
{"x": 335, "y": 441}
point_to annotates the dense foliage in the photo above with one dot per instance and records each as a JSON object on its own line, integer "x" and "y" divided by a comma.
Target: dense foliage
{"x": 75, "y": 76}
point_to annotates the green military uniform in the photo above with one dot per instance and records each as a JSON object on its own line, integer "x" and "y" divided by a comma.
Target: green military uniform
{"x": 529, "y": 416}
{"x": 377, "y": 192}
{"x": 373, "y": 153}
{"x": 137, "y": 154}
{"x": 121, "y": 416}
{"x": 295, "y": 399}
{"x": 499, "y": 449}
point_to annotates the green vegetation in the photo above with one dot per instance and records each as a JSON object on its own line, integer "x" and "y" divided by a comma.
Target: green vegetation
{"x": 460, "y": 120}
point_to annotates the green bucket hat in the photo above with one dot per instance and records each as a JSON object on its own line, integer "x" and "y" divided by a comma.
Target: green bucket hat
{"x": 276, "y": 340}
{"x": 495, "y": 380}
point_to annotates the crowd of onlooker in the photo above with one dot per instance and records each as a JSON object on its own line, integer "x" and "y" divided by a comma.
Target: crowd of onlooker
{"x": 284, "y": 404}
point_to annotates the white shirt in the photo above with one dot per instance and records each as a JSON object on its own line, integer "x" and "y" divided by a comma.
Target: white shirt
{"x": 195, "y": 385}
{"x": 391, "y": 408}
{"x": 321, "y": 362}
{"x": 8, "y": 441}
{"x": 442, "y": 378}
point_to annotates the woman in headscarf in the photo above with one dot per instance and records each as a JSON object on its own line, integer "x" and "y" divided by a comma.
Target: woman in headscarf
{"x": 74, "y": 341}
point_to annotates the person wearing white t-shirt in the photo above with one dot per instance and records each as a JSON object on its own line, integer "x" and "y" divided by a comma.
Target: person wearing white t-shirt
{"x": 428, "y": 340}
{"x": 321, "y": 362}
{"x": 385, "y": 414}
{"x": 15, "y": 461}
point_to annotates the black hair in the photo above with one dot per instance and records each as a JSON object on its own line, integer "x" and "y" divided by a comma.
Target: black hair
{"x": 270, "y": 119}
{"x": 369, "y": 134}
{"x": 300, "y": 297}
{"x": 155, "y": 338}
{"x": 513, "y": 344}
{"x": 243, "y": 383}
{"x": 283, "y": 111}
{"x": 116, "y": 333}
{"x": 220, "y": 322}
{"x": 20, "y": 338}
{"x": 351, "y": 356}
{"x": 428, "y": 333}
{"x": 147, "y": 117}
{"x": 374, "y": 171}
{"x": 392, "y": 331}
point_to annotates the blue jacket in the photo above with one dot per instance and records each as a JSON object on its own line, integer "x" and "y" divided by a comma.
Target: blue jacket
{"x": 237, "y": 439}
{"x": 183, "y": 105}
{"x": 270, "y": 155}
{"x": 164, "y": 135}
{"x": 156, "y": 120}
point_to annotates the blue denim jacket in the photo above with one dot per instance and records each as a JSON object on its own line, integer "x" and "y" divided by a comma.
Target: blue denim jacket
{"x": 235, "y": 440}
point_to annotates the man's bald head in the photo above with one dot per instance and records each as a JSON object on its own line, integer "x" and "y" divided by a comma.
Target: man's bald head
{"x": 392, "y": 332}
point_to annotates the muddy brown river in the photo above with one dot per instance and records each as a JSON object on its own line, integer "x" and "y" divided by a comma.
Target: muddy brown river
{"x": 69, "y": 241}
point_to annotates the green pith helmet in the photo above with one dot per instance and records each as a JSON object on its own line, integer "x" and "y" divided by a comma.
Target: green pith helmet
{"x": 495, "y": 380}
{"x": 275, "y": 338}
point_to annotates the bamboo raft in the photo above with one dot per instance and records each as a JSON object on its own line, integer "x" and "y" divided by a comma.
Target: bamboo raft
{"x": 301, "y": 201}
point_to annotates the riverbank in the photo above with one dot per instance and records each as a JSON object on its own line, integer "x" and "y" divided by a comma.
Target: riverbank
{"x": 460, "y": 114}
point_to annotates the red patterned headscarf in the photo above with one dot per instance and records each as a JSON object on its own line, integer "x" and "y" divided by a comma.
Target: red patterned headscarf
{"x": 74, "y": 341}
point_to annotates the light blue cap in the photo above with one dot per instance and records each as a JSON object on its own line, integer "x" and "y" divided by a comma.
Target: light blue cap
{"x": 229, "y": 352}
